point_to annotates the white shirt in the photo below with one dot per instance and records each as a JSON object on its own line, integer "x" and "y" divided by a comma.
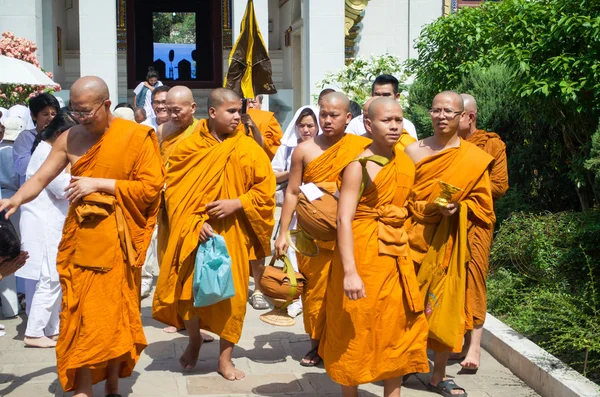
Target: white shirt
{"x": 22, "y": 152}
{"x": 357, "y": 127}
{"x": 151, "y": 122}
{"x": 147, "y": 105}
{"x": 42, "y": 220}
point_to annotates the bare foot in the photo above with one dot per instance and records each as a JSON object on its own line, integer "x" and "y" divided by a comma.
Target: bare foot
{"x": 44, "y": 342}
{"x": 206, "y": 337}
{"x": 54, "y": 337}
{"x": 472, "y": 360}
{"x": 228, "y": 371}
{"x": 189, "y": 358}
{"x": 172, "y": 330}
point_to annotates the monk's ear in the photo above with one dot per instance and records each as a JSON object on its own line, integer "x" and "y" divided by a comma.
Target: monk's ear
{"x": 348, "y": 117}
{"x": 368, "y": 126}
{"x": 212, "y": 112}
{"x": 193, "y": 107}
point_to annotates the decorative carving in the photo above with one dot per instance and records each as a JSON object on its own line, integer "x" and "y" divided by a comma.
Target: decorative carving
{"x": 121, "y": 25}
{"x": 354, "y": 9}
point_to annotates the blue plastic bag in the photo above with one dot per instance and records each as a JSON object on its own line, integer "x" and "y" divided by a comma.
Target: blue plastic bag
{"x": 213, "y": 281}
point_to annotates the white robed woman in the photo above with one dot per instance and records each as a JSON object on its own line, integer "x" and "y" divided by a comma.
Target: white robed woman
{"x": 41, "y": 229}
{"x": 304, "y": 126}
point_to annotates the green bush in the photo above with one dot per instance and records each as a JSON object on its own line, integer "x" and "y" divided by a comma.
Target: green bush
{"x": 545, "y": 283}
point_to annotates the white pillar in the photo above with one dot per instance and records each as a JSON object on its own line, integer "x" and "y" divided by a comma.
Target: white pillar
{"x": 261, "y": 9}
{"x": 324, "y": 27}
{"x": 98, "y": 42}
{"x": 24, "y": 19}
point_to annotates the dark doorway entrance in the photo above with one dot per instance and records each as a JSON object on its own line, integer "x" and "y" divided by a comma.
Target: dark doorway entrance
{"x": 181, "y": 39}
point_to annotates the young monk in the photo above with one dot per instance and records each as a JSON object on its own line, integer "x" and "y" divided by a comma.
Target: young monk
{"x": 219, "y": 181}
{"x": 437, "y": 234}
{"x": 117, "y": 177}
{"x": 319, "y": 161}
{"x": 480, "y": 238}
{"x": 376, "y": 329}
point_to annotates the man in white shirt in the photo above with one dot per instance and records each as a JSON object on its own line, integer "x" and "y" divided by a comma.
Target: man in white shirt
{"x": 384, "y": 85}
{"x": 159, "y": 105}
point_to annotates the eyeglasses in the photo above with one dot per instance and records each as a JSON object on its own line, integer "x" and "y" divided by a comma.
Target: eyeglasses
{"x": 449, "y": 113}
{"x": 85, "y": 115}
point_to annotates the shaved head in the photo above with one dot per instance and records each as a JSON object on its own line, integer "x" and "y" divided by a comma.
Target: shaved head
{"x": 181, "y": 106}
{"x": 454, "y": 97}
{"x": 180, "y": 94}
{"x": 93, "y": 86}
{"x": 337, "y": 98}
{"x": 366, "y": 106}
{"x": 382, "y": 104}
{"x": 469, "y": 103}
{"x": 219, "y": 96}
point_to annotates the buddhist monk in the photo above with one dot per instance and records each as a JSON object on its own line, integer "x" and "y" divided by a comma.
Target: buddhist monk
{"x": 480, "y": 239}
{"x": 266, "y": 131}
{"x": 219, "y": 181}
{"x": 117, "y": 178}
{"x": 323, "y": 92}
{"x": 437, "y": 230}
{"x": 375, "y": 327}
{"x": 319, "y": 161}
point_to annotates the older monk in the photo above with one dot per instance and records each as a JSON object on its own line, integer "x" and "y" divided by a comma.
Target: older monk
{"x": 117, "y": 178}
{"x": 480, "y": 239}
{"x": 437, "y": 232}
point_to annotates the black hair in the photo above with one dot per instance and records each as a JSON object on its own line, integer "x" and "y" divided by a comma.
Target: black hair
{"x": 307, "y": 112}
{"x": 355, "y": 109}
{"x": 10, "y": 244}
{"x": 124, "y": 105}
{"x": 151, "y": 73}
{"x": 41, "y": 102}
{"x": 325, "y": 92}
{"x": 59, "y": 124}
{"x": 158, "y": 90}
{"x": 386, "y": 79}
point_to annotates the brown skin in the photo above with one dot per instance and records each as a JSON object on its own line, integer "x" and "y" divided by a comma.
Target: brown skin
{"x": 307, "y": 129}
{"x": 255, "y": 103}
{"x": 448, "y": 113}
{"x": 88, "y": 95}
{"x": 180, "y": 108}
{"x": 468, "y": 124}
{"x": 159, "y": 105}
{"x": 333, "y": 117}
{"x": 9, "y": 266}
{"x": 366, "y": 113}
{"x": 223, "y": 120}
{"x": 385, "y": 127}
{"x": 384, "y": 90}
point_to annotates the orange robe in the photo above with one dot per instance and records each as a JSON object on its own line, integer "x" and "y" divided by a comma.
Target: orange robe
{"x": 269, "y": 127}
{"x": 439, "y": 245}
{"x": 384, "y": 335}
{"x": 324, "y": 170}
{"x": 201, "y": 171}
{"x": 405, "y": 140}
{"x": 103, "y": 247}
{"x": 480, "y": 239}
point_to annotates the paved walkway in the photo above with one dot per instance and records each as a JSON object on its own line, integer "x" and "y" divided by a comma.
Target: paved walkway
{"x": 269, "y": 355}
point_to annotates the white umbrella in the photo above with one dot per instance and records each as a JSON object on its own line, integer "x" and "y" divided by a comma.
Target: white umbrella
{"x": 16, "y": 71}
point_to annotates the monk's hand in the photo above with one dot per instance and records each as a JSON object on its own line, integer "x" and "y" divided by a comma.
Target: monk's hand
{"x": 206, "y": 232}
{"x": 9, "y": 266}
{"x": 449, "y": 210}
{"x": 80, "y": 187}
{"x": 223, "y": 208}
{"x": 281, "y": 245}
{"x": 354, "y": 287}
{"x": 10, "y": 205}
{"x": 247, "y": 120}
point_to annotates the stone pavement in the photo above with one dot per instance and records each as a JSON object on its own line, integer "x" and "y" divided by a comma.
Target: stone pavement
{"x": 269, "y": 355}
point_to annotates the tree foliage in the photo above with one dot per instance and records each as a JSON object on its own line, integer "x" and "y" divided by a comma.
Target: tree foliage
{"x": 552, "y": 49}
{"x": 174, "y": 27}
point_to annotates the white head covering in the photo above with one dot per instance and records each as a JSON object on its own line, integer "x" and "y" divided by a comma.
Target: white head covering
{"x": 291, "y": 135}
{"x": 124, "y": 113}
{"x": 24, "y": 113}
{"x": 12, "y": 128}
{"x": 60, "y": 101}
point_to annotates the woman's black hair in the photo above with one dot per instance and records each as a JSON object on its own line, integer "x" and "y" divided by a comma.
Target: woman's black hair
{"x": 59, "y": 124}
{"x": 42, "y": 101}
{"x": 152, "y": 73}
{"x": 307, "y": 112}
{"x": 10, "y": 245}
{"x": 124, "y": 105}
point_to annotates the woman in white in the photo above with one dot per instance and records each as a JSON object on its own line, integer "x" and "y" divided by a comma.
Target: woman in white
{"x": 41, "y": 229}
{"x": 143, "y": 92}
{"x": 304, "y": 126}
